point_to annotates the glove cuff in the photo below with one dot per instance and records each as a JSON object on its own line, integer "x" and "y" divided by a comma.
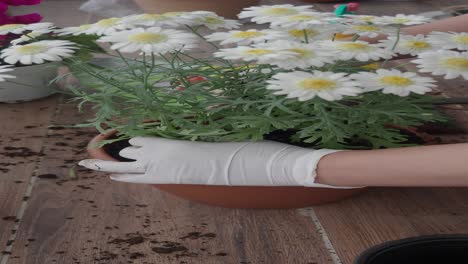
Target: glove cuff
{"x": 305, "y": 169}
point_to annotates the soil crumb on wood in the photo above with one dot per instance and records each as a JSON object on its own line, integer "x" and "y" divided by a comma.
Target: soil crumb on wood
{"x": 169, "y": 247}
{"x": 47, "y": 176}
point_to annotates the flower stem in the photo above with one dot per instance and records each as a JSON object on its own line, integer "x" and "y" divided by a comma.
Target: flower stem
{"x": 194, "y": 31}
{"x": 306, "y": 37}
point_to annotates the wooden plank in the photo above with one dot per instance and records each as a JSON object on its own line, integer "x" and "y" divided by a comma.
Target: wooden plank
{"x": 90, "y": 219}
{"x": 23, "y": 128}
{"x": 384, "y": 214}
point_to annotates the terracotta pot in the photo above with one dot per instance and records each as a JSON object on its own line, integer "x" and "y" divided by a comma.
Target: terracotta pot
{"x": 31, "y": 83}
{"x": 228, "y": 9}
{"x": 240, "y": 196}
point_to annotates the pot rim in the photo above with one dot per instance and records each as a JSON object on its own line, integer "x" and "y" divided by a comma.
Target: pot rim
{"x": 370, "y": 253}
{"x": 100, "y": 153}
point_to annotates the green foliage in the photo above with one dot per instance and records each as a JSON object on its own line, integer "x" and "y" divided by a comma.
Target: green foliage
{"x": 143, "y": 98}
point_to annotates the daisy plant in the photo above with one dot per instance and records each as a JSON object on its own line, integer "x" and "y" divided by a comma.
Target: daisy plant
{"x": 39, "y": 43}
{"x": 301, "y": 77}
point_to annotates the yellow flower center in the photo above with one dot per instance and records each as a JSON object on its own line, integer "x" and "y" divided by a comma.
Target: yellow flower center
{"x": 401, "y": 20}
{"x": 366, "y": 28}
{"x": 148, "y": 37}
{"x": 84, "y": 27}
{"x": 301, "y": 52}
{"x": 31, "y": 49}
{"x": 248, "y": 34}
{"x": 152, "y": 17}
{"x": 354, "y": 46}
{"x": 371, "y": 66}
{"x": 461, "y": 39}
{"x": 9, "y": 27}
{"x": 417, "y": 44}
{"x": 212, "y": 20}
{"x": 280, "y": 11}
{"x": 456, "y": 63}
{"x": 172, "y": 14}
{"x": 367, "y": 18}
{"x": 317, "y": 84}
{"x": 339, "y": 36}
{"x": 108, "y": 22}
{"x": 299, "y": 33}
{"x": 396, "y": 81}
{"x": 302, "y": 18}
{"x": 258, "y": 51}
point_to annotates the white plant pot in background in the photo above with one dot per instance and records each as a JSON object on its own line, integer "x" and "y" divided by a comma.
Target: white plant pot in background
{"x": 31, "y": 82}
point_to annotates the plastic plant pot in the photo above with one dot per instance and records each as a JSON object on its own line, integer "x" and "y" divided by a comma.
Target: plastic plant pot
{"x": 441, "y": 249}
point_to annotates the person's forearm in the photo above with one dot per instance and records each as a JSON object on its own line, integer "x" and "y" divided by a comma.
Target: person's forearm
{"x": 441, "y": 165}
{"x": 455, "y": 24}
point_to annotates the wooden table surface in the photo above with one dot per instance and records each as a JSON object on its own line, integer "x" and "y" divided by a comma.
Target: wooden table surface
{"x": 52, "y": 211}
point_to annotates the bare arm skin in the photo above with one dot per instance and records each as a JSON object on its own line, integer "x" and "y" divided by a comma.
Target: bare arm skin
{"x": 439, "y": 165}
{"x": 455, "y": 24}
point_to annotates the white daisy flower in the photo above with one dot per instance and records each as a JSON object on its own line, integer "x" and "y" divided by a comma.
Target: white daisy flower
{"x": 75, "y": 31}
{"x": 324, "y": 32}
{"x": 20, "y": 28}
{"x": 38, "y": 52}
{"x": 359, "y": 50}
{"x": 3, "y": 70}
{"x": 449, "y": 40}
{"x": 150, "y": 40}
{"x": 269, "y": 13}
{"x": 12, "y": 28}
{"x": 27, "y": 37}
{"x": 303, "y": 20}
{"x": 394, "y": 82}
{"x": 367, "y": 30}
{"x": 360, "y": 19}
{"x": 259, "y": 53}
{"x": 304, "y": 86}
{"x": 107, "y": 26}
{"x": 246, "y": 37}
{"x": 151, "y": 20}
{"x": 444, "y": 62}
{"x": 304, "y": 55}
{"x": 207, "y": 19}
{"x": 408, "y": 44}
{"x": 401, "y": 19}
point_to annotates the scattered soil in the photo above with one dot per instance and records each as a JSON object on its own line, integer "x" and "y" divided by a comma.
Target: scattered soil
{"x": 9, "y": 218}
{"x": 114, "y": 148}
{"x": 47, "y": 176}
{"x": 169, "y": 247}
{"x": 135, "y": 240}
{"x": 22, "y": 152}
{"x": 136, "y": 255}
{"x": 197, "y": 235}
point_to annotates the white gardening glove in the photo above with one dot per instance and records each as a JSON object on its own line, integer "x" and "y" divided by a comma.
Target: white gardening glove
{"x": 165, "y": 161}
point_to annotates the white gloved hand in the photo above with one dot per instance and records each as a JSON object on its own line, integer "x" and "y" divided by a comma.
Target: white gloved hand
{"x": 165, "y": 161}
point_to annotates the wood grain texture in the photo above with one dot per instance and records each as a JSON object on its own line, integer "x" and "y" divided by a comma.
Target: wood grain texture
{"x": 23, "y": 127}
{"x": 83, "y": 217}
